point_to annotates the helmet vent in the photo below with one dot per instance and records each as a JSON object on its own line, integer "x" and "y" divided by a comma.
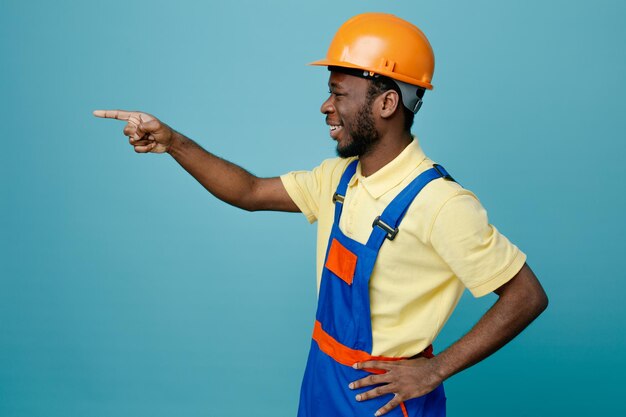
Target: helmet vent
{"x": 387, "y": 64}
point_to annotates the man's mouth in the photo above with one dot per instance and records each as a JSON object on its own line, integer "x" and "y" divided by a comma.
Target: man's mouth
{"x": 334, "y": 130}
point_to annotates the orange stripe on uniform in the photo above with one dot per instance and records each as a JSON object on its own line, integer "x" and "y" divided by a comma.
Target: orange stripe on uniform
{"x": 403, "y": 408}
{"x": 343, "y": 354}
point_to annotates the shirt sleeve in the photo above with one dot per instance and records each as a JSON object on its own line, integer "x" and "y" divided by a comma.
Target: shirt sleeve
{"x": 308, "y": 188}
{"x": 480, "y": 256}
{"x": 304, "y": 189}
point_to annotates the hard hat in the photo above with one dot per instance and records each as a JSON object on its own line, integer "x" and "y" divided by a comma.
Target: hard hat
{"x": 384, "y": 44}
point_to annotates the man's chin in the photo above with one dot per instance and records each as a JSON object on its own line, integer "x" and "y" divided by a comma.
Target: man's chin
{"x": 341, "y": 153}
{"x": 347, "y": 151}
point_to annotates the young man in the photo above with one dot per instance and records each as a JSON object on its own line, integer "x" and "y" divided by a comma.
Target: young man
{"x": 398, "y": 239}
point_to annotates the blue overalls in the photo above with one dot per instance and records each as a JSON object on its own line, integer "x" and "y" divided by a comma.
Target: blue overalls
{"x": 342, "y": 334}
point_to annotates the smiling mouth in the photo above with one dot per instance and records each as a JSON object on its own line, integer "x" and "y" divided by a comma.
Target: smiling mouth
{"x": 334, "y": 131}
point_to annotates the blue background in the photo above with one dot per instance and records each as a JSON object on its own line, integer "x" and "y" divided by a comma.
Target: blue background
{"x": 126, "y": 289}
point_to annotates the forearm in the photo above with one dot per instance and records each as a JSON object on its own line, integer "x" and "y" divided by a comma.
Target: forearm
{"x": 521, "y": 300}
{"x": 223, "y": 179}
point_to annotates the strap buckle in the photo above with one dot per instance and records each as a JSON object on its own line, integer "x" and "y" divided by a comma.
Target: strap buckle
{"x": 391, "y": 232}
{"x": 442, "y": 171}
{"x": 338, "y": 197}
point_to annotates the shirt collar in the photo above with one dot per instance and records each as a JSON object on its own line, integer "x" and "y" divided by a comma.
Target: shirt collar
{"x": 391, "y": 174}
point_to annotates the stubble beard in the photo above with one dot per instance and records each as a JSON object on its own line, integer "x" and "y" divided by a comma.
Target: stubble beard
{"x": 363, "y": 133}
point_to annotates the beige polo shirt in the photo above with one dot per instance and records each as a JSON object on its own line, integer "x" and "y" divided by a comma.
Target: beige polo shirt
{"x": 445, "y": 244}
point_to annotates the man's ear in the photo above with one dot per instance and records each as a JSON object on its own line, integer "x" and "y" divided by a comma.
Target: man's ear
{"x": 390, "y": 100}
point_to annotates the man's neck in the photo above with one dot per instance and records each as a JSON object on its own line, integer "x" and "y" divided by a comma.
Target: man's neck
{"x": 385, "y": 151}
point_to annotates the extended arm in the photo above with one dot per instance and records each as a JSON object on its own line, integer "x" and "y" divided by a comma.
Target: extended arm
{"x": 520, "y": 301}
{"x": 229, "y": 182}
{"x": 223, "y": 179}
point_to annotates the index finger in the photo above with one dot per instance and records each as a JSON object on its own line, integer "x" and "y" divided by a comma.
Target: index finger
{"x": 113, "y": 114}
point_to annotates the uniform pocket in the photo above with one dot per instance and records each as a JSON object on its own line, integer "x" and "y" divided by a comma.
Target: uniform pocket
{"x": 341, "y": 261}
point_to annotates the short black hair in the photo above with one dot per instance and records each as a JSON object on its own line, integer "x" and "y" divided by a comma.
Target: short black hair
{"x": 380, "y": 84}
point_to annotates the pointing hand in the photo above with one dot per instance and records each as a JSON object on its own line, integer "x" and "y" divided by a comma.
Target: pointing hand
{"x": 146, "y": 133}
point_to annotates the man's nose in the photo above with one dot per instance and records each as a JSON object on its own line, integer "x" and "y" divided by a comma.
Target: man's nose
{"x": 327, "y": 106}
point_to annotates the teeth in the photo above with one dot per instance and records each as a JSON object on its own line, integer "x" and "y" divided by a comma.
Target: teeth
{"x": 334, "y": 128}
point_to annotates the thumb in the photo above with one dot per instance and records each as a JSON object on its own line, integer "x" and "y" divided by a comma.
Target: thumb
{"x": 148, "y": 127}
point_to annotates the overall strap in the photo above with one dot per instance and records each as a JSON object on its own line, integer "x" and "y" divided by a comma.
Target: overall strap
{"x": 386, "y": 225}
{"x": 340, "y": 194}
